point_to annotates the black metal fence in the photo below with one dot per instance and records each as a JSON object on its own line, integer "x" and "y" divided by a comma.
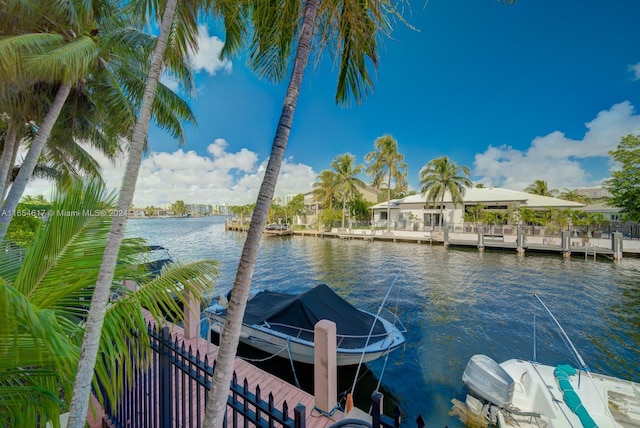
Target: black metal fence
{"x": 173, "y": 390}
{"x": 383, "y": 421}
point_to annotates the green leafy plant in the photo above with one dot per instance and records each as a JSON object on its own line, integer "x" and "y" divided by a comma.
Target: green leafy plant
{"x": 45, "y": 295}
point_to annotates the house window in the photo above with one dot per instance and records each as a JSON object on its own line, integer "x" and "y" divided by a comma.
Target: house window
{"x": 431, "y": 219}
{"x": 383, "y": 215}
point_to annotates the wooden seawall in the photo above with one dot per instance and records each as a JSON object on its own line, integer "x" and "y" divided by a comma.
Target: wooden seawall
{"x": 550, "y": 245}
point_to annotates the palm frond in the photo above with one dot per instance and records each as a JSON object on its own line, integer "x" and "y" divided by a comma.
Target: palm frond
{"x": 14, "y": 50}
{"x": 124, "y": 331}
{"x": 37, "y": 360}
{"x": 73, "y": 229}
{"x": 68, "y": 62}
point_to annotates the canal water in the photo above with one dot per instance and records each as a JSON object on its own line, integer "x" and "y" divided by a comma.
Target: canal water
{"x": 455, "y": 303}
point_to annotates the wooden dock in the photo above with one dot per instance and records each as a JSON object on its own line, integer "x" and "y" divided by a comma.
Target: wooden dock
{"x": 490, "y": 242}
{"x": 282, "y": 390}
{"x": 237, "y": 227}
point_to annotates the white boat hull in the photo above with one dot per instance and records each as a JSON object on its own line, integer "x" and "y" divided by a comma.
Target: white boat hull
{"x": 276, "y": 343}
{"x": 609, "y": 401}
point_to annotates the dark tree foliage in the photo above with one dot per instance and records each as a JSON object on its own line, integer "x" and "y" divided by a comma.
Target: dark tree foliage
{"x": 624, "y": 183}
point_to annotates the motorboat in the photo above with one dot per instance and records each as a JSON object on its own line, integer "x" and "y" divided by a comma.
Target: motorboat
{"x": 277, "y": 226}
{"x": 278, "y": 229}
{"x": 283, "y": 324}
{"x": 154, "y": 258}
{"x": 520, "y": 393}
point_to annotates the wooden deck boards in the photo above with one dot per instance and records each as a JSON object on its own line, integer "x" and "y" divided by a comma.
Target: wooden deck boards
{"x": 281, "y": 390}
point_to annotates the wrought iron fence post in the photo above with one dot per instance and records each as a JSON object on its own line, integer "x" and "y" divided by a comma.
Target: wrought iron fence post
{"x": 376, "y": 407}
{"x": 299, "y": 416}
{"x": 164, "y": 384}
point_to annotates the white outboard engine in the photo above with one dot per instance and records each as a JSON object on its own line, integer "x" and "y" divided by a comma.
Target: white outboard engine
{"x": 486, "y": 380}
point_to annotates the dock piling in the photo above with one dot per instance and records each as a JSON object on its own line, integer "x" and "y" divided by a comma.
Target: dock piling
{"x": 325, "y": 366}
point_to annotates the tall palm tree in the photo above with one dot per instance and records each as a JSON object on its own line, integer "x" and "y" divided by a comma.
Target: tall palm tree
{"x": 541, "y": 188}
{"x": 63, "y": 44}
{"x": 325, "y": 188}
{"x": 184, "y": 31}
{"x": 349, "y": 29}
{"x": 386, "y": 164}
{"x": 325, "y": 191}
{"x": 44, "y": 295}
{"x": 106, "y": 55}
{"x": 441, "y": 175}
{"x": 347, "y": 182}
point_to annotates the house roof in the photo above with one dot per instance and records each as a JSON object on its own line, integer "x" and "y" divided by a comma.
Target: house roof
{"x": 487, "y": 195}
{"x": 601, "y": 208}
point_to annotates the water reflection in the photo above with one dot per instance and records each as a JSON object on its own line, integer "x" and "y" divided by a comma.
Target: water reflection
{"x": 454, "y": 303}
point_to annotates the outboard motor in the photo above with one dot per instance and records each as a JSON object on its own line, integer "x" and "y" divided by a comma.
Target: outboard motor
{"x": 485, "y": 379}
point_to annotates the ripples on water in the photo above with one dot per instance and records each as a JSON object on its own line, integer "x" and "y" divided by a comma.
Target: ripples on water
{"x": 454, "y": 303}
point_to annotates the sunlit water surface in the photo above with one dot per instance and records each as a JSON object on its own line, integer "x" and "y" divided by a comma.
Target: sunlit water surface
{"x": 454, "y": 303}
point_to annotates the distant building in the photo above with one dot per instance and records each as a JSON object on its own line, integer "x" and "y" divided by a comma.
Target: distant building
{"x": 599, "y": 192}
{"x": 221, "y": 209}
{"x": 312, "y": 206}
{"x": 369, "y": 194}
{"x": 610, "y": 213}
{"x": 415, "y": 208}
{"x": 199, "y": 210}
{"x": 284, "y": 200}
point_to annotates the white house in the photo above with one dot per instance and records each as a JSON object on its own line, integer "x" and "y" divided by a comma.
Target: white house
{"x": 412, "y": 210}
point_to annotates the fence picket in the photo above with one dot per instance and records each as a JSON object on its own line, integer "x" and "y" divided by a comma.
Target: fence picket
{"x": 156, "y": 395}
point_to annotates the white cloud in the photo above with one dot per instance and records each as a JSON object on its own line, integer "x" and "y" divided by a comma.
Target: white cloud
{"x": 556, "y": 158}
{"x": 207, "y": 55}
{"x": 635, "y": 69}
{"x": 170, "y": 82}
{"x": 218, "y": 177}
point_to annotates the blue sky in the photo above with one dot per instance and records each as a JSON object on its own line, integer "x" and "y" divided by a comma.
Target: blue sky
{"x": 538, "y": 90}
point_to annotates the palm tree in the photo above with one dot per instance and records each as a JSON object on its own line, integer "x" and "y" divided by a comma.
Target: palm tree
{"x": 349, "y": 28}
{"x": 104, "y": 85}
{"x": 179, "y": 208}
{"x": 346, "y": 181}
{"x": 325, "y": 188}
{"x": 441, "y": 175}
{"x": 44, "y": 295}
{"x": 185, "y": 29}
{"x": 540, "y": 187}
{"x": 325, "y": 191}
{"x": 572, "y": 195}
{"x": 385, "y": 165}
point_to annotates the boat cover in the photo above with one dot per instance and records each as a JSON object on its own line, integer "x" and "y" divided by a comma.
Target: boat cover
{"x": 305, "y": 310}
{"x": 562, "y": 373}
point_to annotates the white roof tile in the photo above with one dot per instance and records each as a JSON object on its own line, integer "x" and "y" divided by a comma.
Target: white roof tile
{"x": 492, "y": 195}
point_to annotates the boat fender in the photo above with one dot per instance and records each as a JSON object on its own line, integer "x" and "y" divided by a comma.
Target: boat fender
{"x": 349, "y": 404}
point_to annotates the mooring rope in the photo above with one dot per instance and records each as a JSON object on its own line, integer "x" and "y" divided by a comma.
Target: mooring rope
{"x": 373, "y": 324}
{"x": 293, "y": 368}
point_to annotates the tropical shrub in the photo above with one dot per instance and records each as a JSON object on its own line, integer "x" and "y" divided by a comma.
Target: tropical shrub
{"x": 45, "y": 295}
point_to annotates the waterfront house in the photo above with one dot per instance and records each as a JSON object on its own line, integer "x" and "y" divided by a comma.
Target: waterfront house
{"x": 312, "y": 206}
{"x": 414, "y": 212}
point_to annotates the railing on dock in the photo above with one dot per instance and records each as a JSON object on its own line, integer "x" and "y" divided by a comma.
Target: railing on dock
{"x": 173, "y": 389}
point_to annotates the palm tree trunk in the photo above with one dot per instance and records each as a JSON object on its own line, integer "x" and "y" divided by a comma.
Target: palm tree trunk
{"x": 7, "y": 152}
{"x": 344, "y": 207}
{"x": 30, "y": 161}
{"x": 93, "y": 328}
{"x": 389, "y": 203}
{"x": 441, "y": 211}
{"x": 217, "y": 402}
{"x": 12, "y": 163}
